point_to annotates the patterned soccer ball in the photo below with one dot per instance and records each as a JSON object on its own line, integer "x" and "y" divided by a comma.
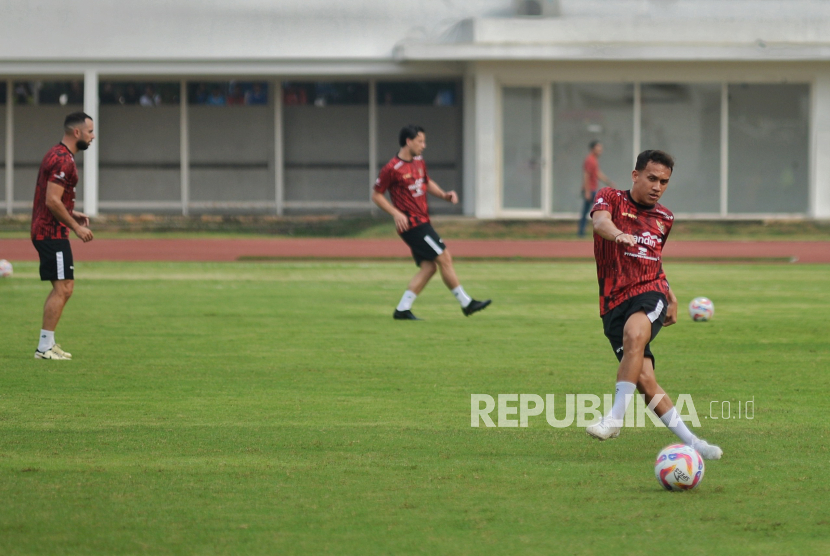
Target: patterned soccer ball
{"x": 6, "y": 269}
{"x": 678, "y": 467}
{"x": 701, "y": 309}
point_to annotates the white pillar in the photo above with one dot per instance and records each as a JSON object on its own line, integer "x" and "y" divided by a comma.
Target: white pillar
{"x": 638, "y": 123}
{"x": 91, "y": 154}
{"x": 184, "y": 148}
{"x": 724, "y": 149}
{"x": 279, "y": 153}
{"x": 820, "y": 183}
{"x": 9, "y": 146}
{"x": 468, "y": 139}
{"x": 488, "y": 144}
{"x": 373, "y": 138}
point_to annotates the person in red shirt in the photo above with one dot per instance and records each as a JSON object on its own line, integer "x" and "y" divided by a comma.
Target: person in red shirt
{"x": 591, "y": 176}
{"x": 636, "y": 301}
{"x": 53, "y": 215}
{"x": 406, "y": 179}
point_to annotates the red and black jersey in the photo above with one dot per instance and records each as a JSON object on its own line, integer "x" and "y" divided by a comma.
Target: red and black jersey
{"x": 624, "y": 271}
{"x": 58, "y": 167}
{"x": 407, "y": 184}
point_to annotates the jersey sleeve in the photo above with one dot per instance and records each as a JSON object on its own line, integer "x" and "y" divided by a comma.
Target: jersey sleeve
{"x": 384, "y": 180}
{"x": 59, "y": 170}
{"x": 603, "y": 200}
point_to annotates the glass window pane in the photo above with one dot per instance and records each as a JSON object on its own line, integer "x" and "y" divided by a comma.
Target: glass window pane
{"x": 522, "y": 148}
{"x": 140, "y": 93}
{"x": 583, "y": 112}
{"x": 768, "y": 148}
{"x": 325, "y": 93}
{"x": 61, "y": 93}
{"x": 228, "y": 93}
{"x": 684, "y": 120}
{"x": 418, "y": 93}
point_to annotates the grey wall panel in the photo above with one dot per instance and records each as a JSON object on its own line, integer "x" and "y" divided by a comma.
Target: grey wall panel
{"x": 236, "y": 185}
{"x": 37, "y": 129}
{"x": 328, "y": 134}
{"x": 140, "y": 184}
{"x": 231, "y": 134}
{"x": 441, "y": 123}
{"x": 327, "y": 185}
{"x": 135, "y": 134}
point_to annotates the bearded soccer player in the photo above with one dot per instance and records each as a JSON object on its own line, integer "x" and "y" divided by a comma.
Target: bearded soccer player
{"x": 630, "y": 230}
{"x": 53, "y": 215}
{"x": 406, "y": 179}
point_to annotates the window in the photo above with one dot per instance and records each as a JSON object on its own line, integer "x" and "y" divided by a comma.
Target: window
{"x": 583, "y": 112}
{"x": 768, "y": 148}
{"x": 684, "y": 120}
{"x": 228, "y": 93}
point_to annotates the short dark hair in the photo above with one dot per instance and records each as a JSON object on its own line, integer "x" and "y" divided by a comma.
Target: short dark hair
{"x": 75, "y": 119}
{"x": 594, "y": 143}
{"x": 658, "y": 157}
{"x": 409, "y": 132}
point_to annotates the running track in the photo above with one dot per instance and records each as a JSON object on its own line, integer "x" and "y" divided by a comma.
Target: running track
{"x": 234, "y": 249}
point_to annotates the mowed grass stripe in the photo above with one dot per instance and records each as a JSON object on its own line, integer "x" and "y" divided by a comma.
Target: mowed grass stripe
{"x": 265, "y": 408}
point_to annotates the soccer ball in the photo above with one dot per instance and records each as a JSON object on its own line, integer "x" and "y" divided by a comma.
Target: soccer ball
{"x": 701, "y": 309}
{"x": 6, "y": 269}
{"x": 678, "y": 467}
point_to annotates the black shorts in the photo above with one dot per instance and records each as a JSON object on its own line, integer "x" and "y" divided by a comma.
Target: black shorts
{"x": 55, "y": 259}
{"x": 613, "y": 322}
{"x": 424, "y": 242}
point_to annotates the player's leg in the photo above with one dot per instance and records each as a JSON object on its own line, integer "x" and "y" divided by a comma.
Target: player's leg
{"x": 419, "y": 281}
{"x": 648, "y": 386}
{"x": 468, "y": 304}
{"x": 52, "y": 311}
{"x": 635, "y": 335}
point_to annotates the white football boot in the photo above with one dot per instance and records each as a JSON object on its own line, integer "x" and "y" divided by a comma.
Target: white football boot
{"x": 706, "y": 450}
{"x": 603, "y": 430}
{"x": 59, "y": 350}
{"x": 50, "y": 354}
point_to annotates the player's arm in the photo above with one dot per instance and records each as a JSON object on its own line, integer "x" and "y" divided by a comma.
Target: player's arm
{"x": 54, "y": 192}
{"x": 401, "y": 220}
{"x": 605, "y": 179}
{"x": 604, "y": 227}
{"x": 435, "y": 190}
{"x": 671, "y": 310}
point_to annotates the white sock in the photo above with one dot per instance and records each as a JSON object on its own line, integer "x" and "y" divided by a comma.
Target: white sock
{"x": 47, "y": 340}
{"x": 462, "y": 296}
{"x": 678, "y": 427}
{"x": 407, "y": 300}
{"x": 623, "y": 395}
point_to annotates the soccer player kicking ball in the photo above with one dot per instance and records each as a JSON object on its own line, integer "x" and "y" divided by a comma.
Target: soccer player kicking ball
{"x": 630, "y": 229}
{"x": 406, "y": 179}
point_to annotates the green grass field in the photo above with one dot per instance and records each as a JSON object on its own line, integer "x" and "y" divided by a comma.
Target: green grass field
{"x": 251, "y": 408}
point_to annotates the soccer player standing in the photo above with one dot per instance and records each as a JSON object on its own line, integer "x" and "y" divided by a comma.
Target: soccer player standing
{"x": 53, "y": 215}
{"x": 406, "y": 179}
{"x": 630, "y": 230}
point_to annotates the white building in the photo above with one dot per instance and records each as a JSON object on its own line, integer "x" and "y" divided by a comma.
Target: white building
{"x": 509, "y": 91}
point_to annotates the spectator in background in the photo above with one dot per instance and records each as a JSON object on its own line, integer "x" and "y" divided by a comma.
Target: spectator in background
{"x": 256, "y": 95}
{"x": 216, "y": 98}
{"x": 591, "y": 176}
{"x": 22, "y": 94}
{"x": 76, "y": 93}
{"x": 295, "y": 95}
{"x": 236, "y": 97}
{"x": 150, "y": 98}
{"x": 130, "y": 95}
{"x": 108, "y": 95}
